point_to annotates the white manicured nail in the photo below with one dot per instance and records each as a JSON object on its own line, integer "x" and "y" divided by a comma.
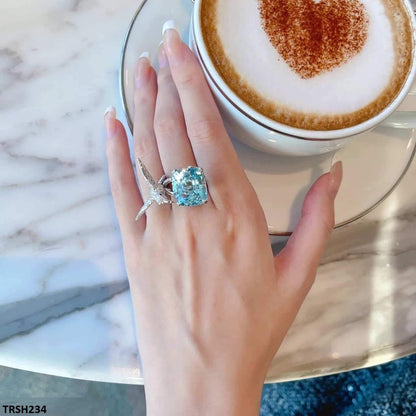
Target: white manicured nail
{"x": 111, "y": 110}
{"x": 110, "y": 121}
{"x": 170, "y": 24}
{"x": 145, "y": 55}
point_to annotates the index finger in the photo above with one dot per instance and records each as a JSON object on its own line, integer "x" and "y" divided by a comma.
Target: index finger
{"x": 211, "y": 145}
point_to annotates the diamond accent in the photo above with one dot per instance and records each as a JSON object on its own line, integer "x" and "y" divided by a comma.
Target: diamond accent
{"x": 158, "y": 195}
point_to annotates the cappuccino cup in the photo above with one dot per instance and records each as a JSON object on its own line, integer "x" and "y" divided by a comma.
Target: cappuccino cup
{"x": 302, "y": 78}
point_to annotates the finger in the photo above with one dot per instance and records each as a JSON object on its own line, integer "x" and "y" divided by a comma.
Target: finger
{"x": 299, "y": 260}
{"x": 211, "y": 145}
{"x": 123, "y": 184}
{"x": 145, "y": 145}
{"x": 174, "y": 147}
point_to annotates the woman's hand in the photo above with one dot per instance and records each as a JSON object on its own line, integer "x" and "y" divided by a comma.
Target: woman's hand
{"x": 212, "y": 305}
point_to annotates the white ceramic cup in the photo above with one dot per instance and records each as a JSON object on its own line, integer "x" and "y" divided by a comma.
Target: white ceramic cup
{"x": 265, "y": 134}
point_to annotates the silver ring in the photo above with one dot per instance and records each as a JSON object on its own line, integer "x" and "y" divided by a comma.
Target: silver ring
{"x": 184, "y": 187}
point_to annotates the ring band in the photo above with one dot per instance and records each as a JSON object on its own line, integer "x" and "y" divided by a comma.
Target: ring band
{"x": 184, "y": 187}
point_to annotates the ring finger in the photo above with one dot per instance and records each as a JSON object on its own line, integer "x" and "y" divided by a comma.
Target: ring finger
{"x": 145, "y": 144}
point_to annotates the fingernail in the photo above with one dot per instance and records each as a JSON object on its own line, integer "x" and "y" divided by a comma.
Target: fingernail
{"x": 145, "y": 55}
{"x": 110, "y": 121}
{"x": 163, "y": 59}
{"x": 142, "y": 69}
{"x": 172, "y": 42}
{"x": 170, "y": 24}
{"x": 335, "y": 179}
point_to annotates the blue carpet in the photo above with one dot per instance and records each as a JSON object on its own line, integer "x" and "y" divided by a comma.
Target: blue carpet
{"x": 385, "y": 390}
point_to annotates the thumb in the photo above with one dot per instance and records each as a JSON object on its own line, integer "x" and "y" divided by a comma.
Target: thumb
{"x": 298, "y": 261}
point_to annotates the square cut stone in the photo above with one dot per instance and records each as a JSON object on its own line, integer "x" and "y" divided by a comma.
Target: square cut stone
{"x": 189, "y": 186}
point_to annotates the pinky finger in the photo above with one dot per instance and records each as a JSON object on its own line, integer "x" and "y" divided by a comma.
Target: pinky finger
{"x": 126, "y": 195}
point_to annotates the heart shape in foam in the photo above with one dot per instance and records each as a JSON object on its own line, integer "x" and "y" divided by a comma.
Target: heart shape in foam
{"x": 315, "y": 36}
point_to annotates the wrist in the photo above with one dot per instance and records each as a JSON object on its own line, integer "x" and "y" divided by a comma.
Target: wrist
{"x": 205, "y": 395}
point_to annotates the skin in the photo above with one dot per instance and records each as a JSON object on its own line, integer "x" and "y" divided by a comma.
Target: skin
{"x": 212, "y": 304}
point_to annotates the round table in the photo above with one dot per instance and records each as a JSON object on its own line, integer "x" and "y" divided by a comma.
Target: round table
{"x": 65, "y": 305}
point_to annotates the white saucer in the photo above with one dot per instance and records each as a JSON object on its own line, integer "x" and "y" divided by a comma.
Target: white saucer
{"x": 374, "y": 162}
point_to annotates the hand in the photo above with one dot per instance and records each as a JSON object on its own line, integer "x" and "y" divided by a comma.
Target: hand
{"x": 212, "y": 305}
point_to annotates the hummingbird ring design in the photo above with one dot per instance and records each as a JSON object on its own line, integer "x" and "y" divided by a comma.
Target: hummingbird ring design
{"x": 184, "y": 187}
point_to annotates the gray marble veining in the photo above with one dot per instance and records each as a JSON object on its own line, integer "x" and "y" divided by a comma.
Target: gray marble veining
{"x": 65, "y": 308}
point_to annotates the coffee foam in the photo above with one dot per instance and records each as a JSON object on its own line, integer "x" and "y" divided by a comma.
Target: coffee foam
{"x": 346, "y": 95}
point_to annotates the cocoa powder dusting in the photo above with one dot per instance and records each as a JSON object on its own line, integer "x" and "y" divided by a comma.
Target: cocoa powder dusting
{"x": 315, "y": 36}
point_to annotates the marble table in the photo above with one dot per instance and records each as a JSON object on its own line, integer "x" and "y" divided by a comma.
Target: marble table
{"x": 65, "y": 306}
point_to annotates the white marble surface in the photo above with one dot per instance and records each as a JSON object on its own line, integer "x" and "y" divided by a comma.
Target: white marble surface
{"x": 64, "y": 301}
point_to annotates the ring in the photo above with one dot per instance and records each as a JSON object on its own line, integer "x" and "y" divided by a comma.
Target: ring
{"x": 184, "y": 187}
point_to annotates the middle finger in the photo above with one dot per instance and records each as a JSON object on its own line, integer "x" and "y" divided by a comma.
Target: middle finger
{"x": 174, "y": 146}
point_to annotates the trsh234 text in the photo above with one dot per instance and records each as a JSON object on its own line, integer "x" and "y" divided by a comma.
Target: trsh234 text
{"x": 10, "y": 409}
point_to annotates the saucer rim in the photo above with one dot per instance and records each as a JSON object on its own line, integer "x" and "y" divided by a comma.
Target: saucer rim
{"x": 271, "y": 230}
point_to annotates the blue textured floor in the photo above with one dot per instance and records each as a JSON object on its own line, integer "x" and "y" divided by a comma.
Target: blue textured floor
{"x": 388, "y": 390}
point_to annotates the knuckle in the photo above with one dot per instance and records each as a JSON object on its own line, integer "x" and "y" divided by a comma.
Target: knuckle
{"x": 245, "y": 200}
{"x": 141, "y": 100}
{"x": 203, "y": 130}
{"x": 325, "y": 222}
{"x": 118, "y": 183}
{"x": 320, "y": 213}
{"x": 143, "y": 145}
{"x": 186, "y": 77}
{"x": 164, "y": 77}
{"x": 328, "y": 224}
{"x": 165, "y": 125}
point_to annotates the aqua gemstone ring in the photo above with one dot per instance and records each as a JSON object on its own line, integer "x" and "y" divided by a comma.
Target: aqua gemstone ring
{"x": 185, "y": 187}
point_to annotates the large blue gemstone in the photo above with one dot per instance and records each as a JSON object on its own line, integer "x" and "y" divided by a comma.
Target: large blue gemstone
{"x": 189, "y": 186}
